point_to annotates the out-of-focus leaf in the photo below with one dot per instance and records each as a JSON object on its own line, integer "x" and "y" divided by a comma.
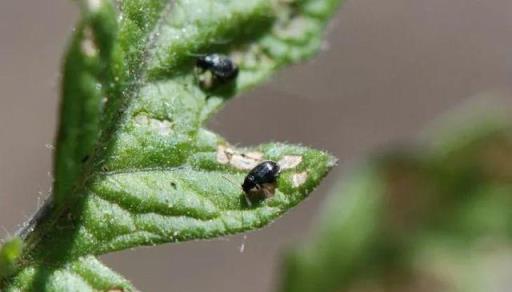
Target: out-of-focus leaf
{"x": 10, "y": 252}
{"x": 347, "y": 230}
{"x": 434, "y": 218}
{"x": 87, "y": 77}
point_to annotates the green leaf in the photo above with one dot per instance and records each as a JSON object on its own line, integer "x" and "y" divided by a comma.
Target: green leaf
{"x": 198, "y": 199}
{"x": 85, "y": 274}
{"x": 133, "y": 164}
{"x": 86, "y": 77}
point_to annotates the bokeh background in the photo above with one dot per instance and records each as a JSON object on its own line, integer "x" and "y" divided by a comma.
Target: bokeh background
{"x": 388, "y": 68}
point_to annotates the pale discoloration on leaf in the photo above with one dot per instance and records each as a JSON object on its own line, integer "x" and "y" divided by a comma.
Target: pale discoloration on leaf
{"x": 87, "y": 44}
{"x": 289, "y": 162}
{"x": 299, "y": 179}
{"x": 223, "y": 155}
{"x": 238, "y": 159}
{"x": 243, "y": 162}
{"x": 162, "y": 127}
{"x": 94, "y": 5}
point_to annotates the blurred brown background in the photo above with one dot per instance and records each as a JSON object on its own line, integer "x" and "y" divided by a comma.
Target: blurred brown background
{"x": 390, "y": 67}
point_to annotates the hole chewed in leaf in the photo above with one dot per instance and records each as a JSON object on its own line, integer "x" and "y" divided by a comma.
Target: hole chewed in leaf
{"x": 162, "y": 127}
{"x": 239, "y": 160}
{"x": 251, "y": 57}
{"x": 223, "y": 154}
{"x": 243, "y": 162}
{"x": 94, "y": 5}
{"x": 289, "y": 161}
{"x": 299, "y": 179}
{"x": 253, "y": 155}
{"x": 87, "y": 44}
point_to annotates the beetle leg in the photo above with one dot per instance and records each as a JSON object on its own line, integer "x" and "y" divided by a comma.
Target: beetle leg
{"x": 247, "y": 200}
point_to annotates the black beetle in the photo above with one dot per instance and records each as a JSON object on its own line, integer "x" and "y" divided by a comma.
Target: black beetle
{"x": 260, "y": 182}
{"x": 221, "y": 67}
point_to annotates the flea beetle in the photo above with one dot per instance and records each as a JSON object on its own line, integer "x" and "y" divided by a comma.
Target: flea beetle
{"x": 221, "y": 68}
{"x": 260, "y": 182}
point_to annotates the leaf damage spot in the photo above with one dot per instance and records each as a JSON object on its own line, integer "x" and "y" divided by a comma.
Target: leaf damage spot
{"x": 243, "y": 161}
{"x": 289, "y": 161}
{"x": 87, "y": 44}
{"x": 299, "y": 179}
{"x": 162, "y": 127}
{"x": 251, "y": 57}
{"x": 222, "y": 155}
{"x": 253, "y": 155}
{"x": 94, "y": 4}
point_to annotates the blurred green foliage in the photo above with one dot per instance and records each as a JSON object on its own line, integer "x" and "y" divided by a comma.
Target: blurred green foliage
{"x": 10, "y": 251}
{"x": 430, "y": 217}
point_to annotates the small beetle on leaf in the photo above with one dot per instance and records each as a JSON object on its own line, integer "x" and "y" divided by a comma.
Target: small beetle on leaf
{"x": 260, "y": 182}
{"x": 221, "y": 69}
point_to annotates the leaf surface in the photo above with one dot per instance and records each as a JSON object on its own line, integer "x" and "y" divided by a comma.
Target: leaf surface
{"x": 134, "y": 165}
{"x": 85, "y": 274}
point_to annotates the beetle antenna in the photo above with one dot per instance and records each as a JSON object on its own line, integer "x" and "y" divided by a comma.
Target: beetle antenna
{"x": 229, "y": 180}
{"x": 245, "y": 195}
{"x": 247, "y": 200}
